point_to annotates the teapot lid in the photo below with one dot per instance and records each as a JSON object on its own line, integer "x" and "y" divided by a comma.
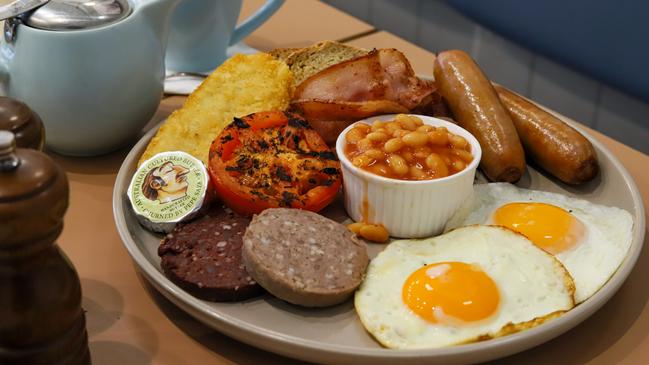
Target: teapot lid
{"x": 12, "y": 8}
{"x": 78, "y": 14}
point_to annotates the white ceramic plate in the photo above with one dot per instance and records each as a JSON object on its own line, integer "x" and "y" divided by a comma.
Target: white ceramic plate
{"x": 335, "y": 335}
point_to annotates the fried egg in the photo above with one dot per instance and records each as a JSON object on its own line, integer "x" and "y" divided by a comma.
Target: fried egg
{"x": 590, "y": 240}
{"x": 471, "y": 284}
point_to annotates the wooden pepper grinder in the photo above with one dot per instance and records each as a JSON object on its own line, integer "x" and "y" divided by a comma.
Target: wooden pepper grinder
{"x": 23, "y": 122}
{"x": 41, "y": 320}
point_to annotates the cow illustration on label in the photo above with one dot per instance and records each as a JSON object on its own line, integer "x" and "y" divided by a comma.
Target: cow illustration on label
{"x": 165, "y": 183}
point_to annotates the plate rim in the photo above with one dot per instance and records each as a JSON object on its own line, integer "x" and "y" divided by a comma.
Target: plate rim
{"x": 312, "y": 350}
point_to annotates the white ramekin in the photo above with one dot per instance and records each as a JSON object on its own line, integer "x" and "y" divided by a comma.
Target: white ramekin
{"x": 408, "y": 209}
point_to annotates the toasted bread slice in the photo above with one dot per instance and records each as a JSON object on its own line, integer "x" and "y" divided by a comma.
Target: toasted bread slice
{"x": 283, "y": 54}
{"x": 242, "y": 85}
{"x": 308, "y": 61}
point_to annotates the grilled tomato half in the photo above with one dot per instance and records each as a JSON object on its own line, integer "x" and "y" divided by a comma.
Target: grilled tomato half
{"x": 273, "y": 159}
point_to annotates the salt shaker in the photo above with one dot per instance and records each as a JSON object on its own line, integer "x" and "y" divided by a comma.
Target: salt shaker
{"x": 41, "y": 320}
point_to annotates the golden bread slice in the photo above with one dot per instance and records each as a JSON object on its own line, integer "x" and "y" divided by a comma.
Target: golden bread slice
{"x": 283, "y": 54}
{"x": 242, "y": 85}
{"x": 308, "y": 61}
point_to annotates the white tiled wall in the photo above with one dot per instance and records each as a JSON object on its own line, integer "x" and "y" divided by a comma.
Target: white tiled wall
{"x": 436, "y": 26}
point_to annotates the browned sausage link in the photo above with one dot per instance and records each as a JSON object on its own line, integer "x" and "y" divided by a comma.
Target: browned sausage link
{"x": 476, "y": 107}
{"x": 554, "y": 145}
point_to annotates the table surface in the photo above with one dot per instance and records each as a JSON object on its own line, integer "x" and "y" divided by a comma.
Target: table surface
{"x": 130, "y": 323}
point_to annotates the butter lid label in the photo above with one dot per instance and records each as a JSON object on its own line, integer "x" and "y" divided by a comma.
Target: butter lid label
{"x": 168, "y": 187}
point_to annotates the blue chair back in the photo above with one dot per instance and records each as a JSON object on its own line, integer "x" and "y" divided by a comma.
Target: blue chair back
{"x": 607, "y": 40}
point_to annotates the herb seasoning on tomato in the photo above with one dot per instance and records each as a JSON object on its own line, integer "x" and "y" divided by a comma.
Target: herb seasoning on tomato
{"x": 273, "y": 159}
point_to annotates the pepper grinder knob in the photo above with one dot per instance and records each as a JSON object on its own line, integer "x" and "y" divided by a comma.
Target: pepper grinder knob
{"x": 8, "y": 158}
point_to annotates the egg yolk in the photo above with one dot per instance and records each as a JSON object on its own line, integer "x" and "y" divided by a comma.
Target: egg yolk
{"x": 446, "y": 292}
{"x": 549, "y": 227}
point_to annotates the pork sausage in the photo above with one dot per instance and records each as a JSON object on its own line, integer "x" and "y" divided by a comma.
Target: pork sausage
{"x": 555, "y": 146}
{"x": 476, "y": 107}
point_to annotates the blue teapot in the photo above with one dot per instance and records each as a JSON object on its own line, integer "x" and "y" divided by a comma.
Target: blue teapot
{"x": 94, "y": 69}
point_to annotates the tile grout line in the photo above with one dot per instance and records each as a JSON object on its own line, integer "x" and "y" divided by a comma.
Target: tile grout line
{"x": 417, "y": 39}
{"x": 530, "y": 76}
{"x": 359, "y": 35}
{"x": 598, "y": 102}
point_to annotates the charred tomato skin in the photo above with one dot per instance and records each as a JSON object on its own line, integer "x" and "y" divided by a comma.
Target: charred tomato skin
{"x": 273, "y": 159}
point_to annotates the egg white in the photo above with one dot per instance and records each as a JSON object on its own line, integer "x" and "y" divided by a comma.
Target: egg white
{"x": 532, "y": 286}
{"x": 593, "y": 261}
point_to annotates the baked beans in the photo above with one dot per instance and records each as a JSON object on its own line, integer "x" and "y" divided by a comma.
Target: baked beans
{"x": 407, "y": 149}
{"x": 370, "y": 232}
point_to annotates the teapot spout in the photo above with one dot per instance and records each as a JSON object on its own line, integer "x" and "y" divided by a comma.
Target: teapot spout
{"x": 158, "y": 13}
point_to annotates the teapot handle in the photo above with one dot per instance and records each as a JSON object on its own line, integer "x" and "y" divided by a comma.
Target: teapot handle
{"x": 255, "y": 20}
{"x": 6, "y": 54}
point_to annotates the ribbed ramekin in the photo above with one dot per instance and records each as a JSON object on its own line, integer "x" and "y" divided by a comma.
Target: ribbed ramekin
{"x": 408, "y": 209}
